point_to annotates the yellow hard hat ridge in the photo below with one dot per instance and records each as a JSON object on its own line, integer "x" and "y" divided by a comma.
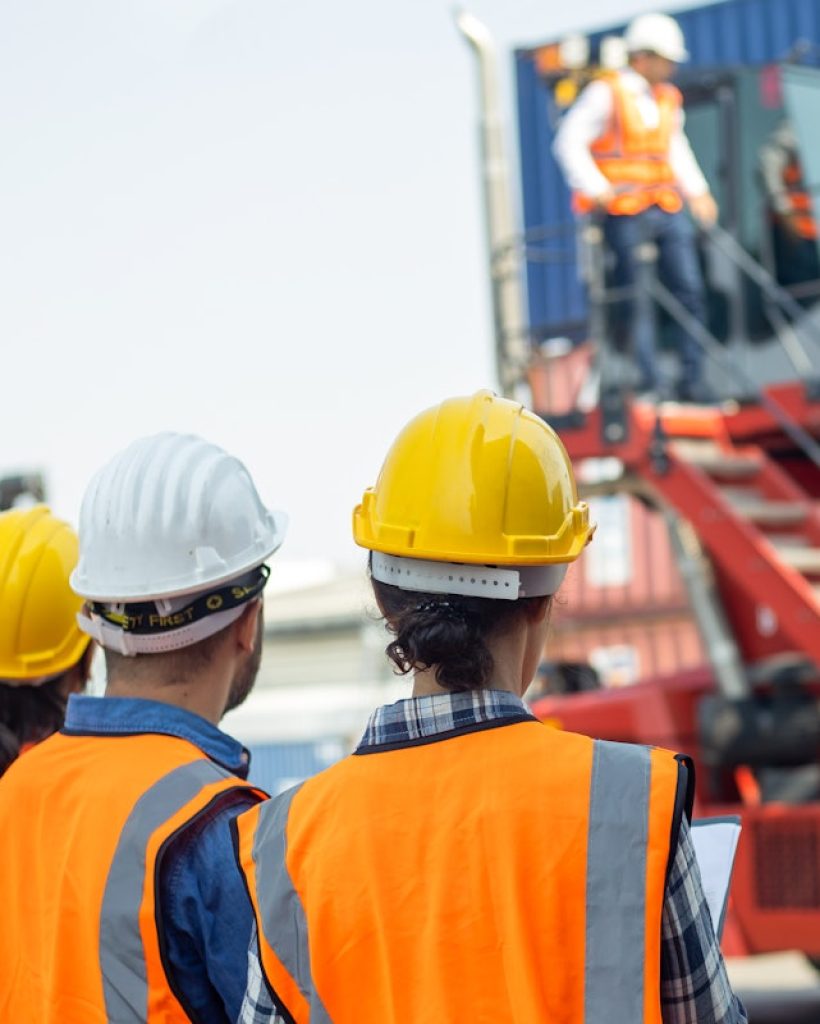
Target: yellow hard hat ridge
{"x": 39, "y": 635}
{"x": 476, "y": 480}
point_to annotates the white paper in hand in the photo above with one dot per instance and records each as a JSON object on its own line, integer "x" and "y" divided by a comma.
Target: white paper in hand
{"x": 715, "y": 842}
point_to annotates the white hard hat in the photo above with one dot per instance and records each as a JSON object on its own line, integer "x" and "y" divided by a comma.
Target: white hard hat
{"x": 657, "y": 33}
{"x": 170, "y": 515}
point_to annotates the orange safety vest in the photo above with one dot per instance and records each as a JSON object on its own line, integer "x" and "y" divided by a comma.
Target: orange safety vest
{"x": 84, "y": 820}
{"x": 510, "y": 873}
{"x": 800, "y": 200}
{"x": 634, "y": 158}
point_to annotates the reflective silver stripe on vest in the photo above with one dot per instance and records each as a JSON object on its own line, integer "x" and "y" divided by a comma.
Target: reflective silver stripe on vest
{"x": 122, "y": 957}
{"x": 284, "y": 924}
{"x": 616, "y": 884}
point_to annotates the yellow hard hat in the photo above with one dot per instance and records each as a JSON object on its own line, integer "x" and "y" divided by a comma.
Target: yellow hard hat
{"x": 39, "y": 635}
{"x": 475, "y": 481}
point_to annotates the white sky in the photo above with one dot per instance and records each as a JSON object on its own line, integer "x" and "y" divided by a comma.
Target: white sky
{"x": 254, "y": 220}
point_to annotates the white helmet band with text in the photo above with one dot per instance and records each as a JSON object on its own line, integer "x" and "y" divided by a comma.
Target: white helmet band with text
{"x": 153, "y": 627}
{"x": 499, "y": 582}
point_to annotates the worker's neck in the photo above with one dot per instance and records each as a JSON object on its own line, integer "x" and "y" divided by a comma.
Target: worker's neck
{"x": 206, "y": 696}
{"x": 635, "y": 67}
{"x": 653, "y": 73}
{"x": 509, "y": 654}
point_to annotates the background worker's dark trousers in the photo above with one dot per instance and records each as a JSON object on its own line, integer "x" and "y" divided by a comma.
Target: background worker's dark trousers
{"x": 678, "y": 269}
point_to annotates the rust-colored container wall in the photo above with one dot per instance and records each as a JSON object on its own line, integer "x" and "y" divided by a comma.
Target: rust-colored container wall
{"x": 624, "y": 608}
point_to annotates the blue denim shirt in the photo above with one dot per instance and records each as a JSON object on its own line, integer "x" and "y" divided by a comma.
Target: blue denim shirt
{"x": 204, "y": 906}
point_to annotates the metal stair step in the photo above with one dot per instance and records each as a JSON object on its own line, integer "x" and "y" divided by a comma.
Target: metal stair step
{"x": 771, "y": 513}
{"x": 744, "y": 492}
{"x": 798, "y": 555}
{"x": 715, "y": 461}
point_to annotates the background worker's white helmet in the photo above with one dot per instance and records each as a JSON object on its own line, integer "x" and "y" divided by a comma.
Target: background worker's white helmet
{"x": 170, "y": 515}
{"x": 657, "y": 33}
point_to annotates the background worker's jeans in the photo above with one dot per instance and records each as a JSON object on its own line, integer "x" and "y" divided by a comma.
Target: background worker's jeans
{"x": 678, "y": 269}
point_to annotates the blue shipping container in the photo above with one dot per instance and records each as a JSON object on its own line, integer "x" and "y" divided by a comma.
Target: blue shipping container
{"x": 278, "y": 766}
{"x": 733, "y": 33}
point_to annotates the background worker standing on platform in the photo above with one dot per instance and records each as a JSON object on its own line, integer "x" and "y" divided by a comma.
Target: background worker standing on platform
{"x": 44, "y": 656}
{"x": 467, "y": 862}
{"x": 791, "y": 206}
{"x": 624, "y": 154}
{"x": 121, "y": 896}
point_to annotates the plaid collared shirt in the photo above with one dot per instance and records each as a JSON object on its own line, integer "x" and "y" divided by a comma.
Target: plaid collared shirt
{"x": 694, "y": 985}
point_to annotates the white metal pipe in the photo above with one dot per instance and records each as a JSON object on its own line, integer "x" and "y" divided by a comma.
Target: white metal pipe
{"x": 504, "y": 252}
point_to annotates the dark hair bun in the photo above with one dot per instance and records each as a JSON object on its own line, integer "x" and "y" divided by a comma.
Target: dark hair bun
{"x": 445, "y": 631}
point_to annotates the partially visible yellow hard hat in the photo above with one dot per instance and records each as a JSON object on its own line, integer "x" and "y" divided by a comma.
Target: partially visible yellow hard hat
{"x": 39, "y": 635}
{"x": 479, "y": 481}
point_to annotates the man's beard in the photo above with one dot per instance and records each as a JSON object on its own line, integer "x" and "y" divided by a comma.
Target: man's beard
{"x": 245, "y": 677}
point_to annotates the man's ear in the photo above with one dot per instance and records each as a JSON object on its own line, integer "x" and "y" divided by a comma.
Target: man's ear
{"x": 247, "y": 624}
{"x": 76, "y": 678}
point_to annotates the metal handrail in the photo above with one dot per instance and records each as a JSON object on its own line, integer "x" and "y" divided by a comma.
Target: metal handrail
{"x": 778, "y": 295}
{"x": 540, "y": 256}
{"x": 647, "y": 279}
{"x": 547, "y": 231}
{"x": 601, "y": 296}
{"x": 713, "y": 348}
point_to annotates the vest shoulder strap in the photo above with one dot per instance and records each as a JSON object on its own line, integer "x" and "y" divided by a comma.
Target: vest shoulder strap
{"x": 131, "y": 954}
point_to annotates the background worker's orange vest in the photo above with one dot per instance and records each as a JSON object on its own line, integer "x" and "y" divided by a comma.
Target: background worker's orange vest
{"x": 83, "y": 821}
{"x": 634, "y": 158}
{"x": 801, "y": 203}
{"x": 509, "y": 874}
